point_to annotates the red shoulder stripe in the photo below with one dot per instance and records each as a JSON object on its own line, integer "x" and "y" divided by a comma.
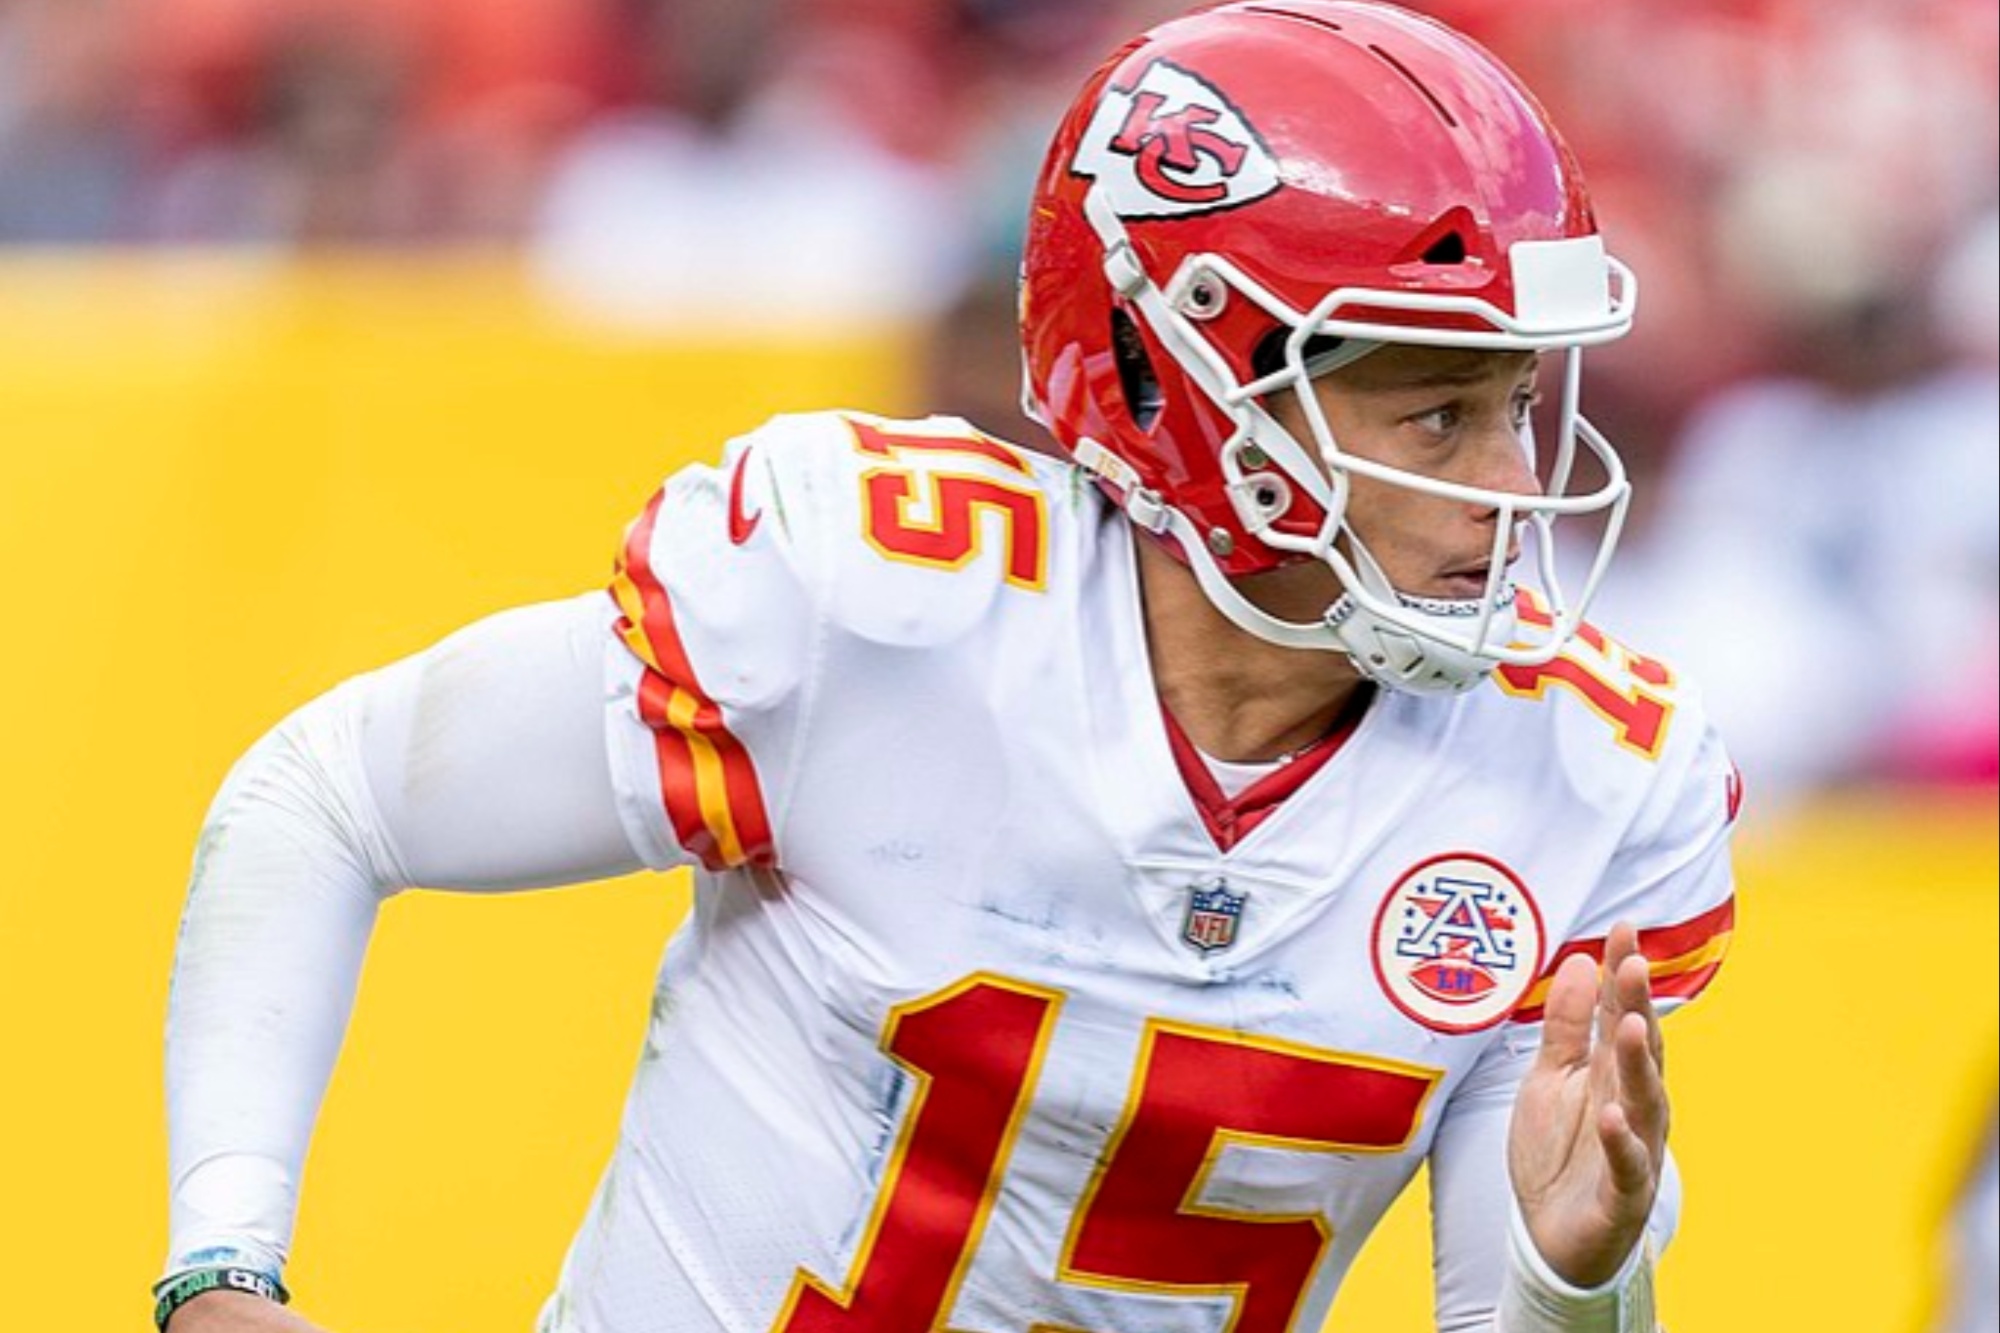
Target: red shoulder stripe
{"x": 1683, "y": 958}
{"x": 707, "y": 779}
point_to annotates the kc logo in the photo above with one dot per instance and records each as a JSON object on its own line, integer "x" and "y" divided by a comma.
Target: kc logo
{"x": 1169, "y": 147}
{"x": 1172, "y": 145}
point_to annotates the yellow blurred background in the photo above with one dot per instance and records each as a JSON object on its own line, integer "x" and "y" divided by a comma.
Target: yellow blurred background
{"x": 225, "y": 486}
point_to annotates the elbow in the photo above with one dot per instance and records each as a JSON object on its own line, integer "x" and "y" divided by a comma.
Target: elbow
{"x": 295, "y": 807}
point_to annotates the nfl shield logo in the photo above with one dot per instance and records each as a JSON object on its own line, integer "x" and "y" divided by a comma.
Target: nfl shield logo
{"x": 1212, "y": 914}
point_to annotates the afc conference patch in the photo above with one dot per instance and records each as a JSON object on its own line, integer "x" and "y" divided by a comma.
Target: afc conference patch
{"x": 1458, "y": 942}
{"x": 1213, "y": 913}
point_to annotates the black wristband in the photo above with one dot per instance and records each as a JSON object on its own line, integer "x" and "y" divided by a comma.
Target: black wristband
{"x": 176, "y": 1292}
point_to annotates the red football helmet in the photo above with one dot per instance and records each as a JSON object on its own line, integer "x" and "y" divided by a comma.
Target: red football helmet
{"x": 1254, "y": 194}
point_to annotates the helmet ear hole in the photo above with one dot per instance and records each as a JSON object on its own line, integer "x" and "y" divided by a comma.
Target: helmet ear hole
{"x": 1446, "y": 249}
{"x": 1143, "y": 398}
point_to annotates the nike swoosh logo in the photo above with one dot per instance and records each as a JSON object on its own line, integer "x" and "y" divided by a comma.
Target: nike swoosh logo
{"x": 741, "y": 525}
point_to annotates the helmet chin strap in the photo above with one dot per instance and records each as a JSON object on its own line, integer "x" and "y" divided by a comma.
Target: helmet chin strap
{"x": 1384, "y": 652}
{"x": 1397, "y": 654}
{"x": 1246, "y": 615}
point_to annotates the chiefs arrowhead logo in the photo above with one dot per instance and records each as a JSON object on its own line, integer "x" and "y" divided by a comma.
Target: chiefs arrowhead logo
{"x": 1173, "y": 145}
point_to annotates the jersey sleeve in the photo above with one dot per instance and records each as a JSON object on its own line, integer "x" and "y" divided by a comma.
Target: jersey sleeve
{"x": 740, "y": 586}
{"x": 1671, "y": 877}
{"x": 708, "y": 655}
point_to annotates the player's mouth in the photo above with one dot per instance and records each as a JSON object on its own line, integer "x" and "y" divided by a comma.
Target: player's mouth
{"x": 1467, "y": 583}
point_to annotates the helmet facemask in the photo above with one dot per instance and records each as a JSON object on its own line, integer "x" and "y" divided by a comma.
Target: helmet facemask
{"x": 1409, "y": 642}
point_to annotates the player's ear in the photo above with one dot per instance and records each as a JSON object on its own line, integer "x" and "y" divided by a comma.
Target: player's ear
{"x": 1135, "y": 370}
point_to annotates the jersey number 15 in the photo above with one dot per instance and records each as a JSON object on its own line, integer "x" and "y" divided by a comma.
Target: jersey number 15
{"x": 975, "y": 1050}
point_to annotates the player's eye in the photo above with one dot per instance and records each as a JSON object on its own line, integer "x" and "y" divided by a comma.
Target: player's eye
{"x": 1524, "y": 405}
{"x": 1442, "y": 420}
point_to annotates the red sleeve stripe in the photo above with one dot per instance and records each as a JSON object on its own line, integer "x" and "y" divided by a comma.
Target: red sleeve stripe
{"x": 1682, "y": 958}
{"x": 707, "y": 780}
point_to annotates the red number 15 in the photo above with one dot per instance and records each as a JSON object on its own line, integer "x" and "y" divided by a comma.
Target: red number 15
{"x": 956, "y": 501}
{"x": 975, "y": 1049}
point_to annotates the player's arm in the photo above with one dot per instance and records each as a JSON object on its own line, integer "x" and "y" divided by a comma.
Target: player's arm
{"x": 1586, "y": 1153}
{"x": 1552, "y": 1187}
{"x": 552, "y": 744}
{"x": 234, "y": 1312}
{"x": 479, "y": 764}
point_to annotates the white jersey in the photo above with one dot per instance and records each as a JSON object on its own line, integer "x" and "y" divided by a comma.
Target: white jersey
{"x": 994, "y": 1012}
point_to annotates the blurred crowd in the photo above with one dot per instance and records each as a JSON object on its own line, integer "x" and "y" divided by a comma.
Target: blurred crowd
{"x": 707, "y": 152}
{"x": 1807, "y": 190}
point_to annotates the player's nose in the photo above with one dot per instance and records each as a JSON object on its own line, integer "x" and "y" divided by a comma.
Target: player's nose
{"x": 1502, "y": 462}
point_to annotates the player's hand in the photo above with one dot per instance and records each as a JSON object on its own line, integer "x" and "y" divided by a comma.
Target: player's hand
{"x": 1589, "y": 1134}
{"x": 237, "y": 1312}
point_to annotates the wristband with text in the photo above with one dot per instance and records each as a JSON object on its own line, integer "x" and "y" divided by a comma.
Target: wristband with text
{"x": 176, "y": 1292}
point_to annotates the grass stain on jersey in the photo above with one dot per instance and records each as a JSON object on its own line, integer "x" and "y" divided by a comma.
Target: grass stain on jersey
{"x": 1049, "y": 921}
{"x": 665, "y": 1005}
{"x": 890, "y": 1087}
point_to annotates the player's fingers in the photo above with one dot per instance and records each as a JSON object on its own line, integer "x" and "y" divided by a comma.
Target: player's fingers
{"x": 1626, "y": 1157}
{"x": 1642, "y": 1088}
{"x": 1634, "y": 988}
{"x": 1569, "y": 1013}
{"x": 1622, "y": 944}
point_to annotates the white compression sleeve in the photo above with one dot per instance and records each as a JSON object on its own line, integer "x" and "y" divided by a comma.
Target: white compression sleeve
{"x": 1537, "y": 1300}
{"x": 478, "y": 764}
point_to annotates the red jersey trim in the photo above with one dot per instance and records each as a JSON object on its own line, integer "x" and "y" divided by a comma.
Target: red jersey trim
{"x": 708, "y": 783}
{"x": 1683, "y": 958}
{"x": 1230, "y": 821}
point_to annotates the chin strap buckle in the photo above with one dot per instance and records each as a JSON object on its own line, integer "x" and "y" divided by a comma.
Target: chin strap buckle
{"x": 1123, "y": 270}
{"x": 1147, "y": 509}
{"x": 1141, "y": 504}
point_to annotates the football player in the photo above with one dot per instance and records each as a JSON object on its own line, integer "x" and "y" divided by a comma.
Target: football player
{"x": 1115, "y": 875}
